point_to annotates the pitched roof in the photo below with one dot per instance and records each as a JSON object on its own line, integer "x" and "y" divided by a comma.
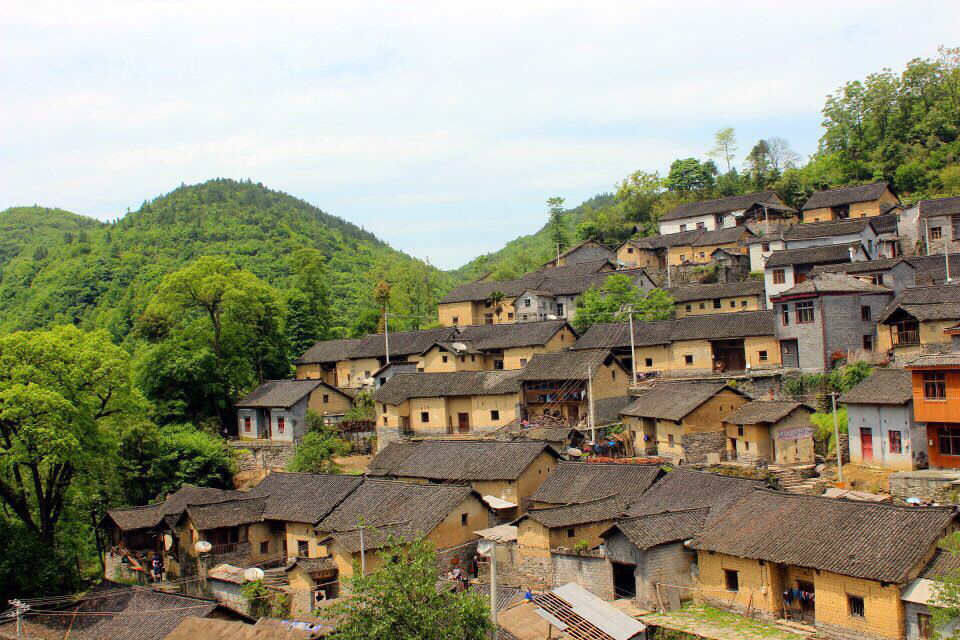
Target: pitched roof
{"x": 596, "y": 510}
{"x": 544, "y": 283}
{"x": 230, "y": 513}
{"x": 939, "y": 207}
{"x": 567, "y": 365}
{"x": 280, "y": 393}
{"x": 214, "y": 629}
{"x": 608, "y": 335}
{"x": 329, "y": 351}
{"x": 575, "y": 269}
{"x": 684, "y": 489}
{"x": 845, "y": 195}
{"x": 402, "y": 342}
{"x": 716, "y": 326}
{"x": 926, "y": 303}
{"x": 672, "y": 400}
{"x": 506, "y": 336}
{"x": 721, "y": 236}
{"x": 942, "y": 564}
{"x": 883, "y": 386}
{"x": 879, "y": 542}
{"x": 832, "y": 283}
{"x": 577, "y": 285}
{"x": 403, "y": 386}
{"x": 667, "y": 240}
{"x": 757, "y": 411}
{"x": 149, "y": 516}
{"x": 462, "y": 460}
{"x": 607, "y": 410}
{"x": 573, "y": 482}
{"x": 720, "y": 205}
{"x": 811, "y": 230}
{"x": 302, "y": 497}
{"x": 661, "y": 528}
{"x": 812, "y": 255}
{"x": 593, "y": 244}
{"x": 862, "y": 266}
{"x": 935, "y": 358}
{"x": 690, "y": 292}
{"x": 932, "y": 269}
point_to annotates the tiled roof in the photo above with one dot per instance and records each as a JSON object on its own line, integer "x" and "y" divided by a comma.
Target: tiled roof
{"x": 579, "y": 284}
{"x": 668, "y": 240}
{"x": 573, "y": 482}
{"x": 845, "y": 195}
{"x": 936, "y": 359}
{"x": 149, "y": 516}
{"x": 684, "y": 489}
{"x": 461, "y": 460}
{"x": 279, "y": 393}
{"x": 302, "y": 497}
{"x": 942, "y": 565}
{"x": 329, "y": 351}
{"x": 884, "y": 386}
{"x": 932, "y": 269}
{"x": 476, "y": 291}
{"x": 311, "y": 565}
{"x": 589, "y": 243}
{"x": 505, "y": 336}
{"x": 597, "y": 510}
{"x": 661, "y": 528}
{"x": 727, "y": 235}
{"x": 812, "y": 255}
{"x": 939, "y": 207}
{"x": 926, "y": 303}
{"x": 758, "y": 411}
{"x": 607, "y": 410}
{"x": 720, "y": 205}
{"x": 690, "y": 292}
{"x": 715, "y": 326}
{"x": 863, "y": 266}
{"x": 811, "y": 230}
{"x": 403, "y": 386}
{"x": 836, "y": 283}
{"x": 214, "y": 629}
{"x": 672, "y": 400}
{"x": 617, "y": 334}
{"x": 575, "y": 269}
{"x": 402, "y": 343}
{"x": 543, "y": 283}
{"x": 885, "y": 224}
{"x": 567, "y": 365}
{"x": 230, "y": 513}
{"x": 878, "y": 542}
{"x": 227, "y": 573}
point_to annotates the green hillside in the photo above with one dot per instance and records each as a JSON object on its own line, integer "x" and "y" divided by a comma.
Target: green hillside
{"x": 58, "y": 267}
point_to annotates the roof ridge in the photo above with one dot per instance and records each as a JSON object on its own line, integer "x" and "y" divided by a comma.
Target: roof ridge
{"x": 663, "y": 513}
{"x": 884, "y": 505}
{"x": 575, "y": 504}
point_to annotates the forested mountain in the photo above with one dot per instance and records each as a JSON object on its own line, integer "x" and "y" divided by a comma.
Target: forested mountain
{"x": 58, "y": 267}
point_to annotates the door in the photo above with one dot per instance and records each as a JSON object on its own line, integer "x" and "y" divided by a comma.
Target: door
{"x": 789, "y": 353}
{"x": 463, "y": 422}
{"x": 866, "y": 443}
{"x": 925, "y": 625}
{"x": 624, "y": 580}
{"x": 733, "y": 448}
{"x": 807, "y": 601}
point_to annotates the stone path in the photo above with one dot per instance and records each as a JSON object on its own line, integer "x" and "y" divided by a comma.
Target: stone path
{"x": 715, "y": 624}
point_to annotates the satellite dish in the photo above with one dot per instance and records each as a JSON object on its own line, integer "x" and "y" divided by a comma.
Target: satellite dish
{"x": 203, "y": 546}
{"x": 459, "y": 346}
{"x": 551, "y": 317}
{"x": 253, "y": 574}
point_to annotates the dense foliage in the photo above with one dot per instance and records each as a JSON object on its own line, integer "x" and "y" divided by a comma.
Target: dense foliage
{"x": 320, "y": 446}
{"x": 618, "y": 296}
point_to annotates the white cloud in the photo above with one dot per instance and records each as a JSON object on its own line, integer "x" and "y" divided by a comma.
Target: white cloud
{"x": 420, "y": 118}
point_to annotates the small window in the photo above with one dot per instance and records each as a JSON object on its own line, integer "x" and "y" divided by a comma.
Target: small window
{"x": 629, "y": 249}
{"x": 384, "y": 420}
{"x": 717, "y": 303}
{"x": 494, "y": 414}
{"x": 935, "y": 233}
{"x": 785, "y": 315}
{"x": 740, "y": 430}
{"x": 935, "y": 385}
{"x": 498, "y": 365}
{"x": 701, "y": 225}
{"x": 688, "y": 359}
{"x": 420, "y": 369}
{"x": 264, "y": 547}
{"x": 303, "y": 548}
{"x": 805, "y": 312}
{"x": 683, "y": 227}
{"x": 456, "y": 319}
{"x": 670, "y": 439}
{"x": 743, "y": 303}
{"x": 746, "y": 445}
{"x": 383, "y": 408}
{"x": 463, "y": 358}
{"x": 613, "y": 374}
{"x": 463, "y": 519}
{"x": 648, "y": 362}
{"x": 366, "y": 374}
{"x": 703, "y": 305}
{"x": 281, "y": 424}
{"x": 523, "y": 362}
{"x": 246, "y": 423}
{"x": 765, "y": 247}
{"x": 762, "y": 355}
{"x": 703, "y": 255}
{"x": 855, "y": 604}
{"x": 510, "y": 316}
{"x": 424, "y": 416}
{"x": 526, "y": 302}
{"x": 326, "y": 399}
{"x": 473, "y": 358}
{"x": 868, "y": 342}
{"x": 689, "y": 307}
{"x": 865, "y": 313}
{"x": 732, "y": 580}
{"x": 896, "y": 445}
{"x": 733, "y": 304}
{"x": 444, "y": 358}
{"x": 779, "y": 276}
{"x": 571, "y": 533}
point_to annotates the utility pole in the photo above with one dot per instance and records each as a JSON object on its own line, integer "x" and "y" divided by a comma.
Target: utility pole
{"x": 363, "y": 554}
{"x": 946, "y": 259}
{"x": 593, "y": 430}
{"x": 558, "y": 255}
{"x": 386, "y": 334}
{"x": 927, "y": 233}
{"x": 633, "y": 349}
{"x": 21, "y": 609}
{"x": 493, "y": 585}
{"x": 836, "y": 434}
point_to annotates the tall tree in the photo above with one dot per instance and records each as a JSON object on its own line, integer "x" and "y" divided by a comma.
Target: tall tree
{"x": 556, "y": 224}
{"x": 496, "y": 301}
{"x": 758, "y": 167}
{"x": 781, "y": 154}
{"x": 689, "y": 176}
{"x": 311, "y": 278}
{"x": 637, "y": 194}
{"x": 724, "y": 146}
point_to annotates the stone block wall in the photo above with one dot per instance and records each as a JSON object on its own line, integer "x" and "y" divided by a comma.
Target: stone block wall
{"x": 593, "y": 572}
{"x": 696, "y": 446}
{"x": 252, "y": 455}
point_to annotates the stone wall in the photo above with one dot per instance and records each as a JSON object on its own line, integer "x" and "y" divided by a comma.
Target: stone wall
{"x": 696, "y": 446}
{"x": 926, "y": 485}
{"x": 255, "y": 455}
{"x": 593, "y": 572}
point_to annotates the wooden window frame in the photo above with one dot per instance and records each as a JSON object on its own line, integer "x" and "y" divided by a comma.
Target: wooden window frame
{"x": 934, "y": 386}
{"x": 800, "y": 311}
{"x": 779, "y": 276}
{"x": 896, "y": 441}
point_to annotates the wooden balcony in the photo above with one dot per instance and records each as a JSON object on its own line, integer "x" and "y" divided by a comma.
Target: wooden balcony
{"x": 906, "y": 338}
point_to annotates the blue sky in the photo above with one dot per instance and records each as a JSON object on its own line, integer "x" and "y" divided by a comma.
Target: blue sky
{"x": 440, "y": 126}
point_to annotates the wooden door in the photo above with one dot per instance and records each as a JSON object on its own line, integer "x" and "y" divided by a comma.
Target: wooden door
{"x": 866, "y": 443}
{"x": 463, "y": 422}
{"x": 789, "y": 353}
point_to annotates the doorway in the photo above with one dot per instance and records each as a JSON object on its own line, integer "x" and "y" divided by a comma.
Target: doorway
{"x": 790, "y": 353}
{"x": 807, "y": 601}
{"x": 866, "y": 443}
{"x": 733, "y": 448}
{"x": 729, "y": 355}
{"x": 463, "y": 422}
{"x": 624, "y": 580}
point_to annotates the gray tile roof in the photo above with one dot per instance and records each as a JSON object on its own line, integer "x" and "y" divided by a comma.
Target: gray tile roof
{"x": 720, "y": 205}
{"x": 661, "y": 528}
{"x": 715, "y": 326}
{"x": 835, "y": 283}
{"x": 172, "y": 506}
{"x": 863, "y": 266}
{"x": 597, "y": 510}
{"x": 879, "y": 542}
{"x": 845, "y": 195}
{"x": 672, "y": 400}
{"x": 812, "y": 255}
{"x": 573, "y": 482}
{"x": 230, "y": 513}
{"x": 458, "y": 460}
{"x": 940, "y": 207}
{"x": 403, "y": 386}
{"x": 942, "y": 359}
{"x": 690, "y": 292}
{"x": 721, "y": 236}
{"x": 811, "y": 230}
{"x": 402, "y": 343}
{"x": 683, "y": 489}
{"x": 505, "y": 336}
{"x": 329, "y": 351}
{"x": 942, "y": 565}
{"x": 607, "y": 410}
{"x": 302, "y": 497}
{"x": 759, "y": 411}
{"x": 932, "y": 269}
{"x": 568, "y": 365}
{"x": 667, "y": 240}
{"x": 280, "y": 393}
{"x": 543, "y": 282}
{"x": 926, "y": 303}
{"x": 883, "y": 386}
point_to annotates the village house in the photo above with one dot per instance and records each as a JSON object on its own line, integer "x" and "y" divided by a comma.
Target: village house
{"x": 838, "y": 565}
{"x": 863, "y": 201}
{"x": 938, "y": 224}
{"x": 936, "y": 401}
{"x": 881, "y": 426}
{"x": 932, "y": 269}
{"x": 683, "y": 419}
{"x": 560, "y": 384}
{"x": 773, "y": 431}
{"x": 787, "y": 268}
{"x": 863, "y": 231}
{"x": 828, "y": 319}
{"x": 682, "y": 489}
{"x": 587, "y": 251}
{"x": 539, "y": 531}
{"x": 726, "y": 297}
{"x": 919, "y": 599}
{"x": 894, "y": 273}
{"x": 640, "y": 252}
{"x": 319, "y": 362}
{"x": 277, "y": 409}
{"x": 709, "y": 215}
{"x": 445, "y": 515}
{"x": 701, "y": 248}
{"x": 505, "y": 474}
{"x": 578, "y": 482}
{"x": 437, "y": 404}
{"x": 917, "y": 319}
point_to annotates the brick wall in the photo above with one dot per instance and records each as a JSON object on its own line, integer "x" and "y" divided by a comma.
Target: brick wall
{"x": 592, "y": 572}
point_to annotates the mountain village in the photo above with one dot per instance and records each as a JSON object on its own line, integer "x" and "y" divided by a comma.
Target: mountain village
{"x": 635, "y": 480}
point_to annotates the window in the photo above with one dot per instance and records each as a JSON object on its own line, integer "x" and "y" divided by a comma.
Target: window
{"x": 281, "y": 423}
{"x": 246, "y": 423}
{"x": 473, "y": 358}
{"x": 869, "y": 246}
{"x": 488, "y": 318}
{"x": 444, "y": 358}
{"x": 523, "y": 362}
{"x": 689, "y": 307}
{"x": 733, "y": 304}
{"x": 743, "y": 303}
{"x": 701, "y": 225}
{"x": 785, "y": 315}
{"x": 703, "y": 305}
{"x": 629, "y": 249}
{"x": 498, "y": 365}
{"x": 303, "y": 548}
{"x": 456, "y": 319}
{"x": 703, "y": 255}
{"x": 855, "y": 604}
{"x": 571, "y": 533}
{"x": 688, "y": 359}
{"x": 613, "y": 374}
{"x": 934, "y": 385}
{"x": 670, "y": 439}
{"x": 526, "y": 302}
{"x": 648, "y": 362}
{"x": 877, "y": 279}
{"x": 935, "y": 233}
{"x": 326, "y": 399}
{"x": 683, "y": 227}
{"x": 779, "y": 276}
{"x": 510, "y": 316}
{"x": 896, "y": 445}
{"x": 805, "y": 312}
{"x": 463, "y": 358}
{"x": 948, "y": 441}
{"x": 463, "y": 519}
{"x": 746, "y": 445}
{"x": 683, "y": 257}
{"x": 762, "y": 355}
{"x": 494, "y": 414}
{"x": 384, "y": 420}
{"x": 732, "y": 579}
{"x": 740, "y": 430}
{"x": 765, "y": 247}
{"x": 264, "y": 547}
{"x": 424, "y": 416}
{"x": 383, "y": 408}
{"x": 717, "y": 303}
{"x": 865, "y": 313}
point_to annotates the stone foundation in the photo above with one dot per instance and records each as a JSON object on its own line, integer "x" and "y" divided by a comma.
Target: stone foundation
{"x": 254, "y": 455}
{"x": 842, "y": 633}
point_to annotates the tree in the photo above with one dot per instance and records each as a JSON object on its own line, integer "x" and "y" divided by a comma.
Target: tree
{"x": 381, "y": 298}
{"x": 946, "y": 590}
{"x": 401, "y": 601}
{"x": 781, "y": 154}
{"x": 724, "y": 146}
{"x": 556, "y": 224}
{"x": 637, "y": 194}
{"x": 309, "y": 304}
{"x": 496, "y": 301}
{"x": 758, "y": 167}
{"x": 605, "y": 304}
{"x": 318, "y": 448}
{"x": 63, "y": 394}
{"x": 689, "y": 176}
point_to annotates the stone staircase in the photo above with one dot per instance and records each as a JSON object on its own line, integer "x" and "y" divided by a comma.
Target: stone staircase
{"x": 276, "y": 577}
{"x": 791, "y": 481}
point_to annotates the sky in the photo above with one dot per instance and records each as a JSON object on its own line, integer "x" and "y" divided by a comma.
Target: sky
{"x": 442, "y": 127}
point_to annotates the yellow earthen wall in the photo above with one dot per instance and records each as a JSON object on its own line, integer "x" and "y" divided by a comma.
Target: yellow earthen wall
{"x": 337, "y": 404}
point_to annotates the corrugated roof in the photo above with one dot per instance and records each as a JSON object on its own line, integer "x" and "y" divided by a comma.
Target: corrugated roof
{"x": 280, "y": 393}
{"x": 573, "y": 482}
{"x": 461, "y": 460}
{"x": 302, "y": 497}
{"x": 883, "y": 386}
{"x": 652, "y": 530}
{"x": 879, "y": 542}
{"x": 403, "y": 386}
{"x": 672, "y": 400}
{"x": 845, "y": 195}
{"x": 812, "y": 255}
{"x": 596, "y": 510}
{"x": 719, "y": 205}
{"x": 836, "y": 283}
{"x": 691, "y": 292}
{"x": 684, "y": 489}
{"x": 939, "y": 207}
{"x": 758, "y": 411}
